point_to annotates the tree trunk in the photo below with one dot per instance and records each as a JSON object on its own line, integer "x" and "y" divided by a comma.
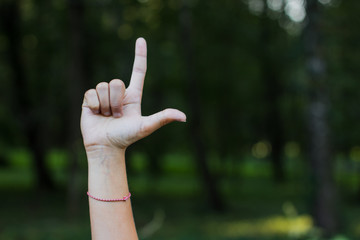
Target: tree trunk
{"x": 273, "y": 90}
{"x": 75, "y": 90}
{"x": 319, "y": 149}
{"x": 21, "y": 102}
{"x": 195, "y": 109}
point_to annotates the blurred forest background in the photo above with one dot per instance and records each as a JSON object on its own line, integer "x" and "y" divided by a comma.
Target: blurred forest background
{"x": 271, "y": 149}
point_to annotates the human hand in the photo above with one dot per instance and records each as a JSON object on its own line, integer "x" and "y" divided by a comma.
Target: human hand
{"x": 111, "y": 114}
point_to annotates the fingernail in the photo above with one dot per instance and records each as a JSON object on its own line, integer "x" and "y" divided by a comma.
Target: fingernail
{"x": 117, "y": 115}
{"x": 107, "y": 114}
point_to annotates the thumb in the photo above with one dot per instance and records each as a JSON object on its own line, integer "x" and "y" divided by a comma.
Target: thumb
{"x": 153, "y": 122}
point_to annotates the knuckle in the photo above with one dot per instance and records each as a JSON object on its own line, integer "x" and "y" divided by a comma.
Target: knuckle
{"x": 90, "y": 99}
{"x": 116, "y": 108}
{"x": 164, "y": 118}
{"x": 140, "y": 69}
{"x": 102, "y": 86}
{"x": 105, "y": 108}
{"x": 117, "y": 83}
{"x": 93, "y": 106}
{"x": 88, "y": 93}
{"x": 144, "y": 130}
{"x": 162, "y": 123}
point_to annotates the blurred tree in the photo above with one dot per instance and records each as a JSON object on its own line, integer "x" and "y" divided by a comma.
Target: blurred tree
{"x": 25, "y": 109}
{"x": 76, "y": 86}
{"x": 345, "y": 52}
{"x": 270, "y": 62}
{"x": 196, "y": 134}
{"x": 320, "y": 156}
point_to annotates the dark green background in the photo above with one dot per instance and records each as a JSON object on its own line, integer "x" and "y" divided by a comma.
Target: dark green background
{"x": 246, "y": 73}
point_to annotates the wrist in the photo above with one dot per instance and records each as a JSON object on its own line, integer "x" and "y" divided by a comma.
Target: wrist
{"x": 107, "y": 172}
{"x": 101, "y": 153}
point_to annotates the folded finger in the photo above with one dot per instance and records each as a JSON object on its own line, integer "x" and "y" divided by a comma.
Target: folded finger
{"x": 117, "y": 92}
{"x": 102, "y": 90}
{"x": 91, "y": 101}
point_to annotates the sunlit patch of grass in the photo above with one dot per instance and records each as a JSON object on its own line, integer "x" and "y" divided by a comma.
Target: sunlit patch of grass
{"x": 287, "y": 225}
{"x": 276, "y": 225}
{"x": 356, "y": 228}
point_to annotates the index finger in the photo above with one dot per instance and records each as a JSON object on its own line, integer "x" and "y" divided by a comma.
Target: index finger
{"x": 139, "y": 68}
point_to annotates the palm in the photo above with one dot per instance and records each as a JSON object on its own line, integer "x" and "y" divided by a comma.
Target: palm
{"x": 128, "y": 125}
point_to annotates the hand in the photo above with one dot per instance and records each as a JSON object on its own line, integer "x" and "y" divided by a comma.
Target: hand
{"x": 111, "y": 115}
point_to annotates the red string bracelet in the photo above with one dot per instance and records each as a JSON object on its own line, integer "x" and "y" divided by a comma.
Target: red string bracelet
{"x": 110, "y": 200}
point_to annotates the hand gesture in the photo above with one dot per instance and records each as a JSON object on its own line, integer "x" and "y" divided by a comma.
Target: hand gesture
{"x": 111, "y": 114}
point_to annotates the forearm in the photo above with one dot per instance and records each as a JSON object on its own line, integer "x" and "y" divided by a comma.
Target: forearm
{"x": 108, "y": 180}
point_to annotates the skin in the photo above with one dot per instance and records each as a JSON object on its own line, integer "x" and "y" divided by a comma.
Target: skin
{"x": 111, "y": 120}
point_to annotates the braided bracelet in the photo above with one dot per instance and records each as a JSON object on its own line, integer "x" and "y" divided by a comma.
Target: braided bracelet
{"x": 110, "y": 200}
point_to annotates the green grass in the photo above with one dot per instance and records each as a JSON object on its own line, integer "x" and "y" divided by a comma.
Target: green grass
{"x": 174, "y": 202}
